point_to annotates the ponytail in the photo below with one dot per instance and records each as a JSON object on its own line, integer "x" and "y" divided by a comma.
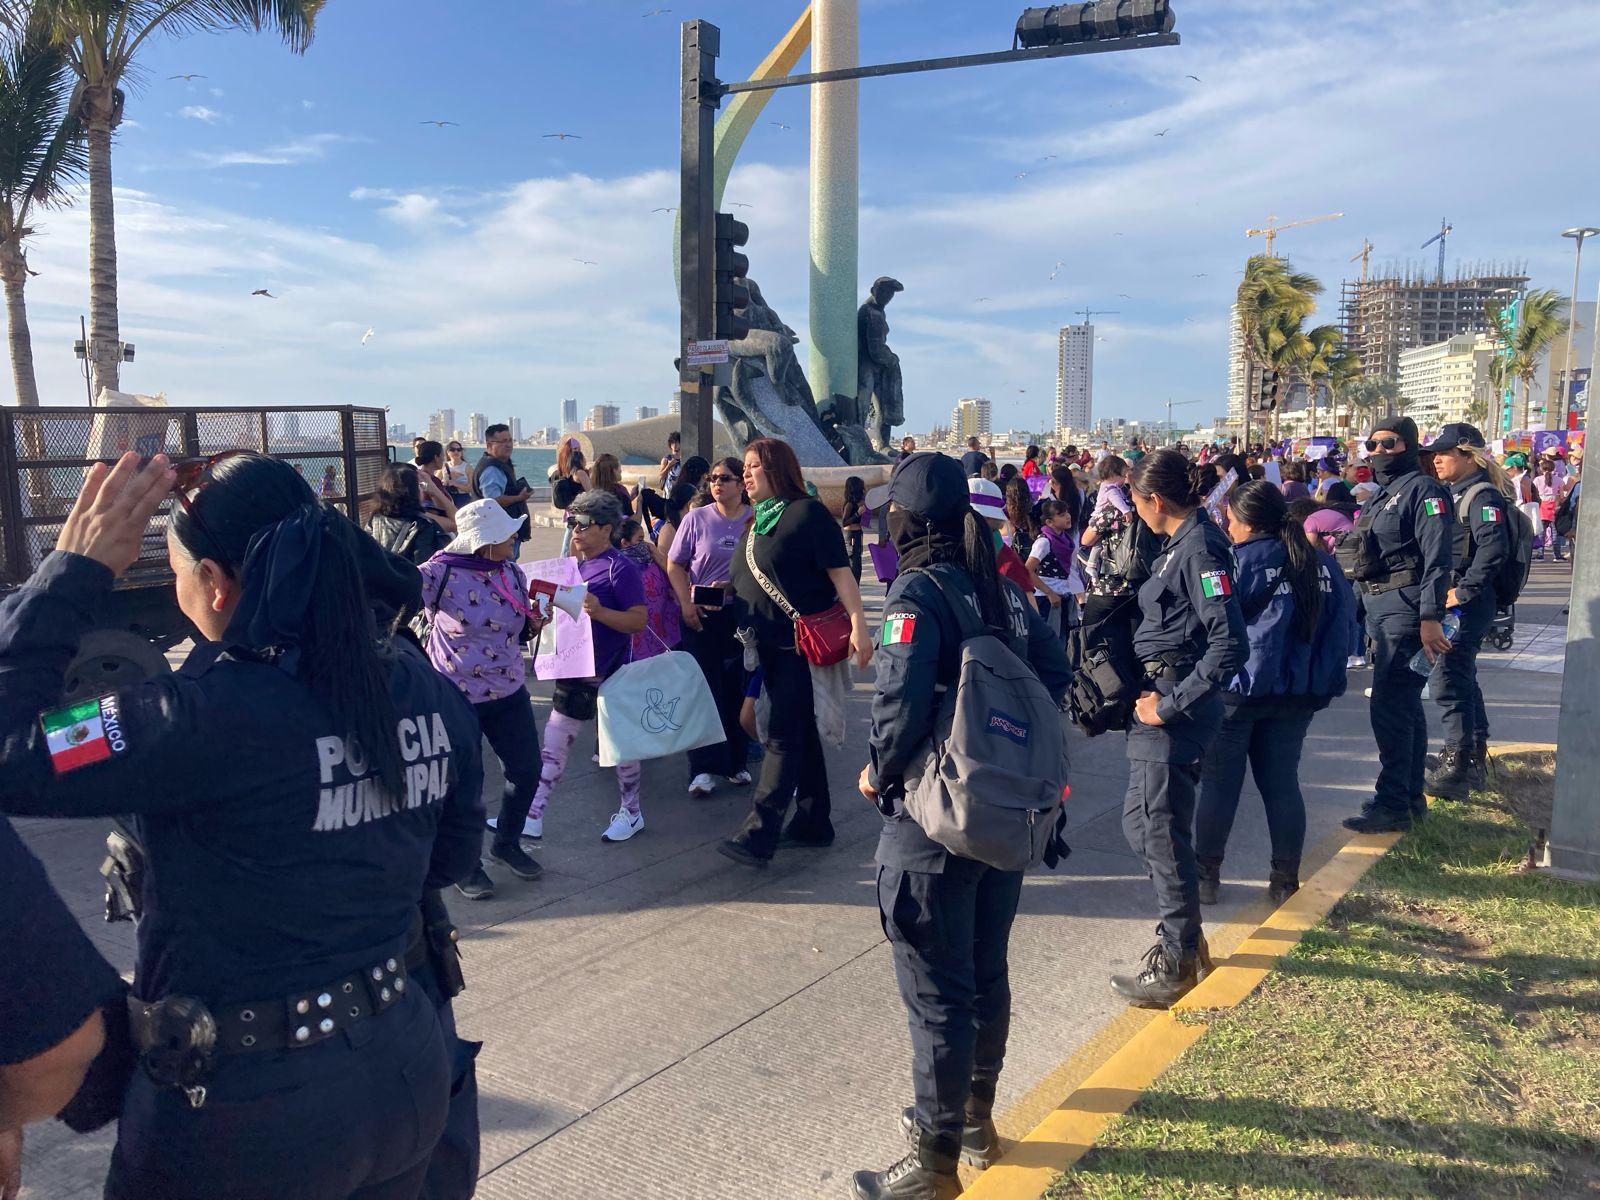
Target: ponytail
{"x": 977, "y": 548}
{"x": 1261, "y": 506}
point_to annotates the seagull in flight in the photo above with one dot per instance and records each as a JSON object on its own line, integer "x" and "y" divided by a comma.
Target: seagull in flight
{"x": 736, "y": 204}
{"x": 586, "y": 262}
{"x": 188, "y": 78}
{"x": 1022, "y": 174}
{"x": 263, "y": 292}
{"x": 1046, "y": 158}
{"x": 983, "y": 300}
{"x": 1056, "y": 270}
{"x": 1201, "y": 275}
{"x": 780, "y": 124}
{"x": 1164, "y": 132}
{"x": 1124, "y": 296}
{"x": 656, "y": 210}
{"x": 564, "y": 136}
{"x": 440, "y": 124}
{"x": 656, "y": 12}
{"x": 1196, "y": 78}
{"x": 368, "y": 336}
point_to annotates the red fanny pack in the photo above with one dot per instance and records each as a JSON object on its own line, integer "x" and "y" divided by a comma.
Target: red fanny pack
{"x": 823, "y": 638}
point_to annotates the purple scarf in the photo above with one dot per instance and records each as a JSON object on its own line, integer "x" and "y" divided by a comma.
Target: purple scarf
{"x": 467, "y": 562}
{"x": 1062, "y": 545}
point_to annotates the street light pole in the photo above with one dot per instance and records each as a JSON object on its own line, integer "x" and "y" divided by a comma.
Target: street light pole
{"x": 1578, "y": 235}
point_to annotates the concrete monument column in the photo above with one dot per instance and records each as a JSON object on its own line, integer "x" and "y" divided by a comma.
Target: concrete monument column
{"x": 835, "y": 200}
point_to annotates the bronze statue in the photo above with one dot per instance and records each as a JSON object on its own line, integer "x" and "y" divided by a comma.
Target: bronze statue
{"x": 880, "y": 395}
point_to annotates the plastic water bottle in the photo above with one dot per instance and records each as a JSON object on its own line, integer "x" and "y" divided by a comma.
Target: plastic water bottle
{"x": 1452, "y": 626}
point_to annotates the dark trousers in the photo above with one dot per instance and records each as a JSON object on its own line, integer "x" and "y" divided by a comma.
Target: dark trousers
{"x": 508, "y": 725}
{"x": 855, "y": 539}
{"x": 352, "y": 1118}
{"x": 794, "y": 762}
{"x": 1399, "y": 724}
{"x": 1270, "y": 738}
{"x": 721, "y": 660}
{"x": 1455, "y": 677}
{"x": 1158, "y": 815}
{"x": 452, "y": 1170}
{"x": 949, "y": 932}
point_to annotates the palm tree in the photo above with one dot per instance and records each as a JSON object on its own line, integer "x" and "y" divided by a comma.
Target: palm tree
{"x": 41, "y": 154}
{"x": 101, "y": 39}
{"x": 1344, "y": 368}
{"x": 1271, "y": 298}
{"x": 1543, "y": 319}
{"x": 1372, "y": 396}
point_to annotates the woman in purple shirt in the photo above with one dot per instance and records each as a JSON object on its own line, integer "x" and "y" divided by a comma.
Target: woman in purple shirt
{"x": 701, "y": 557}
{"x": 617, "y": 611}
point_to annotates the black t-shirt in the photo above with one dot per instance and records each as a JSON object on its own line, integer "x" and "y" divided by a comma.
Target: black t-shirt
{"x": 51, "y": 976}
{"x": 796, "y": 557}
{"x": 972, "y": 462}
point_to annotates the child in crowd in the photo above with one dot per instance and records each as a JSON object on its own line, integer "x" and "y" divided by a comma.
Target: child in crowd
{"x": 663, "y": 629}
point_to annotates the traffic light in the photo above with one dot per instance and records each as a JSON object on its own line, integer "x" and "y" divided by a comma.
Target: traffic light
{"x": 1266, "y": 391}
{"x": 732, "y": 267}
{"x": 1063, "y": 24}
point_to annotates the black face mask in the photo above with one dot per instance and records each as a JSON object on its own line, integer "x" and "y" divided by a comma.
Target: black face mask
{"x": 1386, "y": 468}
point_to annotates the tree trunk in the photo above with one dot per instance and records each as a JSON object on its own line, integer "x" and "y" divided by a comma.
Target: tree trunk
{"x": 14, "y": 271}
{"x": 1312, "y": 386}
{"x": 105, "y": 338}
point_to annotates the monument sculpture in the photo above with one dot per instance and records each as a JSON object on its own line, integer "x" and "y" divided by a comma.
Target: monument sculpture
{"x": 880, "y": 395}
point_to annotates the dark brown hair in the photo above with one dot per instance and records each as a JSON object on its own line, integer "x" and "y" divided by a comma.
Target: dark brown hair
{"x": 782, "y": 468}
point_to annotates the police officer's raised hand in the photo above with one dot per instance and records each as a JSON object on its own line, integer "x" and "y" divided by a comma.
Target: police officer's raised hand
{"x": 1145, "y": 709}
{"x": 1433, "y": 639}
{"x": 113, "y": 510}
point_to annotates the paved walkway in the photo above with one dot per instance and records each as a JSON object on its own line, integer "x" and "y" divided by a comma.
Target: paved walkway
{"x": 659, "y": 1022}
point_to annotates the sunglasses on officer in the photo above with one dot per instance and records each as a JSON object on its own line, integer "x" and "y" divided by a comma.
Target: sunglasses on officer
{"x": 189, "y": 478}
{"x": 1387, "y": 443}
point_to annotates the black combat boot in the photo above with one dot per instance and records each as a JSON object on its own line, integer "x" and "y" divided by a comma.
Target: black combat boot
{"x": 927, "y": 1173}
{"x": 1284, "y": 880}
{"x": 980, "y": 1142}
{"x": 1478, "y": 768}
{"x": 1376, "y": 818}
{"x": 1162, "y": 980}
{"x": 1210, "y": 872}
{"x": 1451, "y": 780}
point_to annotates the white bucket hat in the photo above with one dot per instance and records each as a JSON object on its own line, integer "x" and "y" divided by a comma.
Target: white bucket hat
{"x": 986, "y": 498}
{"x": 483, "y": 523}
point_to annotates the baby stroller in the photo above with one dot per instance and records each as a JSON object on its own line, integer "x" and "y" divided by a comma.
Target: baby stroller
{"x": 1504, "y": 627}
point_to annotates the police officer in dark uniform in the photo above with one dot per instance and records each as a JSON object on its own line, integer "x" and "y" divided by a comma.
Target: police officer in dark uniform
{"x": 295, "y": 789}
{"x": 1191, "y": 642}
{"x": 495, "y": 477}
{"x": 1403, "y": 571}
{"x": 1481, "y": 549}
{"x": 948, "y": 918}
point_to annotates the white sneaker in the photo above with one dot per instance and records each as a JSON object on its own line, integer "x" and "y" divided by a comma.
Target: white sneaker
{"x": 702, "y": 785}
{"x": 739, "y": 778}
{"x": 532, "y": 827}
{"x": 1355, "y": 663}
{"x": 1368, "y": 693}
{"x": 623, "y": 826}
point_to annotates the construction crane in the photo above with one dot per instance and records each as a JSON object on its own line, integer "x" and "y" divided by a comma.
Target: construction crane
{"x": 1366, "y": 253}
{"x": 1089, "y": 313}
{"x": 1273, "y": 229}
{"x": 1172, "y": 405}
{"x": 1445, "y": 230}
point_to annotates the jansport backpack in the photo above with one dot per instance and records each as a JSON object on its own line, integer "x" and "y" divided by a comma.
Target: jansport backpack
{"x": 1513, "y": 575}
{"x": 992, "y": 782}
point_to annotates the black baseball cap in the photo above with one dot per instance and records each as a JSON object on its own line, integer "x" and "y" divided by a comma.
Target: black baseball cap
{"x": 931, "y": 485}
{"x": 1456, "y": 436}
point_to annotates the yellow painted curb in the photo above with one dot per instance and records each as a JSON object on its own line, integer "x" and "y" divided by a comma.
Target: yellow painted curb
{"x": 1522, "y": 748}
{"x": 1066, "y": 1134}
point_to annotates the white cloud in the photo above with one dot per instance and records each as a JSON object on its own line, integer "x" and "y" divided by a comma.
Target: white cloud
{"x": 308, "y": 104}
{"x": 199, "y": 112}
{"x": 311, "y": 148}
{"x": 416, "y": 209}
{"x": 217, "y": 92}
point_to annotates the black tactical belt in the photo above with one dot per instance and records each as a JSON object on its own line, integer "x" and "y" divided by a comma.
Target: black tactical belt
{"x": 1155, "y": 668}
{"x": 1399, "y": 579}
{"x": 302, "y": 1019}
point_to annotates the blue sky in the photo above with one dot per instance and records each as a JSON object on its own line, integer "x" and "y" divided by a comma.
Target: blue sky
{"x": 313, "y": 176}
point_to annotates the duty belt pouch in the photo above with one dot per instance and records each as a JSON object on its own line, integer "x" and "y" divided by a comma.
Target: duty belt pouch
{"x": 177, "y": 1039}
{"x": 123, "y": 871}
{"x": 444, "y": 956}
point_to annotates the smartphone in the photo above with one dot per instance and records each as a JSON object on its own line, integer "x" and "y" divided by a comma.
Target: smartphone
{"x": 708, "y": 597}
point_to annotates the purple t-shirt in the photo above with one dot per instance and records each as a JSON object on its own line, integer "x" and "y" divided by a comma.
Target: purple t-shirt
{"x": 616, "y": 583}
{"x": 475, "y": 642}
{"x": 705, "y": 543}
{"x": 1326, "y": 522}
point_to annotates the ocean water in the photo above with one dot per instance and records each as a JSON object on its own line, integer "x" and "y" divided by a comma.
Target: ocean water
{"x": 532, "y": 462}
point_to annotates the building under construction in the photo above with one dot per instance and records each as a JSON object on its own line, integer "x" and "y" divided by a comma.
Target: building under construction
{"x": 1400, "y": 308}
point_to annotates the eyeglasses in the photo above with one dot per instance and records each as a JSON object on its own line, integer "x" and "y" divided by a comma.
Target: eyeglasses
{"x": 190, "y": 475}
{"x": 723, "y": 478}
{"x": 1388, "y": 443}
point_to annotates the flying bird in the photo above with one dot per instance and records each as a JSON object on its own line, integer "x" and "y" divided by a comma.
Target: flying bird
{"x": 1056, "y": 270}
{"x": 564, "y": 136}
{"x": 368, "y": 336}
{"x": 188, "y": 78}
{"x": 656, "y": 210}
{"x": 1196, "y": 78}
{"x": 656, "y": 12}
{"x": 982, "y": 300}
{"x": 1046, "y": 158}
{"x": 439, "y": 124}
{"x": 586, "y": 262}
{"x": 263, "y": 292}
{"x": 1201, "y": 275}
{"x": 780, "y": 124}
{"x": 736, "y": 204}
{"x": 1164, "y": 133}
{"x": 1022, "y": 174}
{"x": 1124, "y": 296}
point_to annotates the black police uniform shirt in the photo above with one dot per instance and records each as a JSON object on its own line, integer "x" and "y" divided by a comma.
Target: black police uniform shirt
{"x": 919, "y": 652}
{"x": 1481, "y": 544}
{"x": 51, "y": 976}
{"x": 796, "y": 556}
{"x": 1412, "y": 529}
{"x": 1188, "y": 614}
{"x": 276, "y": 862}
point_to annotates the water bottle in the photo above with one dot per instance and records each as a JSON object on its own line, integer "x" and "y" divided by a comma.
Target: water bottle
{"x": 1452, "y": 626}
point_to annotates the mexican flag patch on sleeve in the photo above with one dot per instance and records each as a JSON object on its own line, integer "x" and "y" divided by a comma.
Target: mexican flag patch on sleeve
{"x": 83, "y": 734}
{"x": 1215, "y": 584}
{"x": 1433, "y": 508}
{"x": 899, "y": 628}
{"x": 1491, "y": 514}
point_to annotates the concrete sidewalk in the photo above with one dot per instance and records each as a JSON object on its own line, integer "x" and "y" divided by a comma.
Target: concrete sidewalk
{"x": 659, "y": 1022}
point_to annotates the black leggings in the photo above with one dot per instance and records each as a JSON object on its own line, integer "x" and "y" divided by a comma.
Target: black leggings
{"x": 794, "y": 761}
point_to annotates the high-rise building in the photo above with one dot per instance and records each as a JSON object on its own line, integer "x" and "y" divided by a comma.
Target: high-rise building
{"x": 602, "y": 416}
{"x": 644, "y": 413}
{"x": 476, "y": 424}
{"x": 675, "y": 405}
{"x": 1075, "y": 377}
{"x": 569, "y": 416}
{"x": 1386, "y": 316}
{"x": 447, "y": 425}
{"x": 970, "y": 419}
{"x": 399, "y": 433}
{"x": 516, "y": 430}
{"x": 1448, "y": 380}
{"x": 436, "y": 432}
{"x": 1238, "y": 367}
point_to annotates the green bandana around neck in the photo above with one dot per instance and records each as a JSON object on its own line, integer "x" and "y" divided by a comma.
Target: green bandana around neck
{"x": 768, "y": 513}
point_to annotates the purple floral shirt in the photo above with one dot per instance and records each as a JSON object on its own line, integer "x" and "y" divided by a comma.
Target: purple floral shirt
{"x": 475, "y": 642}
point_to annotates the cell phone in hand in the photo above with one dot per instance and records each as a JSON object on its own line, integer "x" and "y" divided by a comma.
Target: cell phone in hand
{"x": 708, "y": 597}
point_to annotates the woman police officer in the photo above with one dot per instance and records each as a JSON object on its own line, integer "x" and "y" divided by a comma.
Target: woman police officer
{"x": 1403, "y": 571}
{"x": 1481, "y": 544}
{"x": 295, "y": 787}
{"x": 948, "y": 918}
{"x": 1191, "y": 641}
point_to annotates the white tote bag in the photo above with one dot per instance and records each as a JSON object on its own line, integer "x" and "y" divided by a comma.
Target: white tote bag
{"x": 657, "y": 707}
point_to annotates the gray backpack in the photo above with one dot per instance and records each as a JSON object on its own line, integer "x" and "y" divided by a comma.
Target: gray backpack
{"x": 992, "y": 782}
